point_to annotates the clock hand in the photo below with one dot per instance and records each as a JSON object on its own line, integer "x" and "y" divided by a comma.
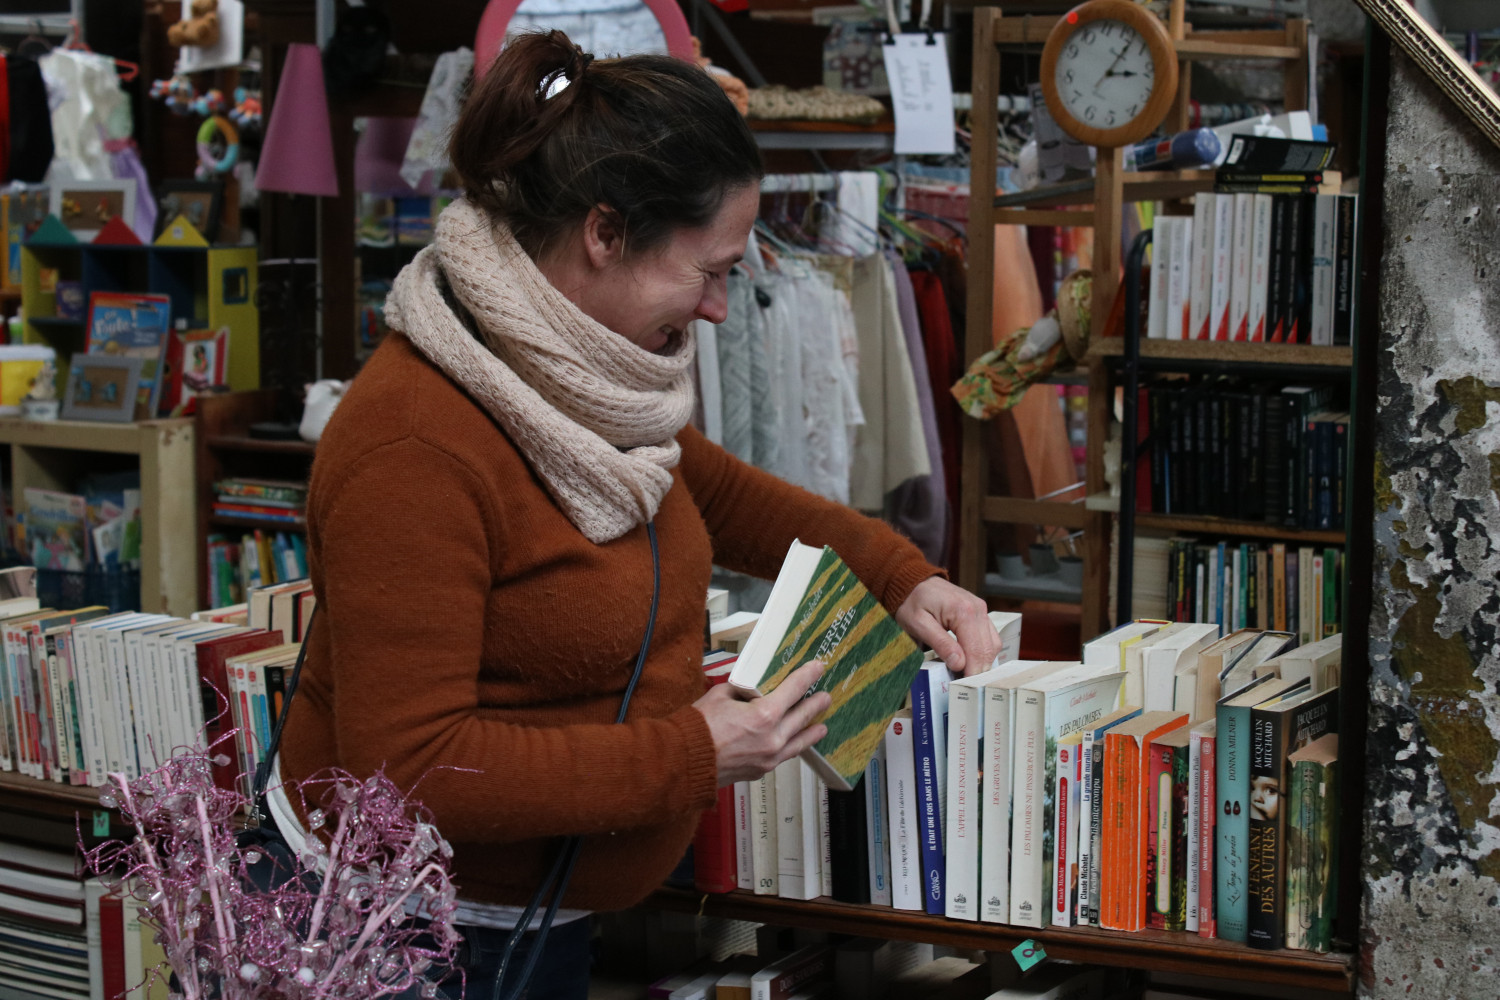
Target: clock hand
{"x": 1110, "y": 72}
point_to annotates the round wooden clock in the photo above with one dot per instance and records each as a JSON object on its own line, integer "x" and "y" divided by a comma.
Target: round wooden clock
{"x": 1109, "y": 72}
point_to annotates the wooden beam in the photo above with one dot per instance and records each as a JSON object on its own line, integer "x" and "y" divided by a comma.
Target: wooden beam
{"x": 1051, "y": 513}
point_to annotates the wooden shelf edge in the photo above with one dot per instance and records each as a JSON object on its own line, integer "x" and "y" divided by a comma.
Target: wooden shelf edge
{"x": 1203, "y": 524}
{"x": 1016, "y": 510}
{"x": 1228, "y": 352}
{"x": 13, "y": 784}
{"x": 253, "y": 523}
{"x": 1166, "y": 951}
{"x": 236, "y": 442}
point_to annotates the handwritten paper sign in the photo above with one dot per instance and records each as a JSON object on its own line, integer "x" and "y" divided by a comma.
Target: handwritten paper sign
{"x": 921, "y": 92}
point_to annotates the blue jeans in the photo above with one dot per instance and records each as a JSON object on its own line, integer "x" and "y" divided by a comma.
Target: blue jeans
{"x": 562, "y": 970}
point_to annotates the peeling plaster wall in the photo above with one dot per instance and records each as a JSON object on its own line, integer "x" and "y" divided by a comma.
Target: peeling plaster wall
{"x": 1431, "y": 860}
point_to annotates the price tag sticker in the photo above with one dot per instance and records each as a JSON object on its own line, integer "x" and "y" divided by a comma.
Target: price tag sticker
{"x": 101, "y": 822}
{"x": 1027, "y": 954}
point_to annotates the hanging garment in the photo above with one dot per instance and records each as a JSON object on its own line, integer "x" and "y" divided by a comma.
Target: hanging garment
{"x": 736, "y": 378}
{"x": 858, "y": 212}
{"x": 125, "y": 161}
{"x": 91, "y": 109}
{"x": 918, "y": 508}
{"x": 427, "y": 152}
{"x": 943, "y": 370}
{"x": 889, "y": 448}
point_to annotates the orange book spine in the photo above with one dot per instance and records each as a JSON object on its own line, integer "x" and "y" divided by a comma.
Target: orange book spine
{"x": 1116, "y": 881}
{"x": 1141, "y": 774}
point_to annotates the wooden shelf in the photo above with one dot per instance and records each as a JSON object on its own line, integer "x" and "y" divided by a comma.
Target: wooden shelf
{"x": 1245, "y": 529}
{"x": 1148, "y": 185}
{"x": 1053, "y": 513}
{"x": 240, "y": 442}
{"x": 16, "y": 788}
{"x": 1165, "y": 951}
{"x": 252, "y": 523}
{"x": 1229, "y": 352}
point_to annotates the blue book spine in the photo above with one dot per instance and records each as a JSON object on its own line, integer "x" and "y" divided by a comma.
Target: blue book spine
{"x": 1231, "y": 858}
{"x": 880, "y": 852}
{"x": 929, "y": 810}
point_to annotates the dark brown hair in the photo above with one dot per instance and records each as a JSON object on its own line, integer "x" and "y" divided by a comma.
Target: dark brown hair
{"x": 654, "y": 138}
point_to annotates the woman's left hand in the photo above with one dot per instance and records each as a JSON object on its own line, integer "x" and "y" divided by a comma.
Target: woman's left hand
{"x": 935, "y": 608}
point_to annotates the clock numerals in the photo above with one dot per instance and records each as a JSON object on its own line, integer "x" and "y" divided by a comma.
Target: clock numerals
{"x": 1111, "y": 118}
{"x": 1089, "y": 114}
{"x": 1073, "y": 50}
{"x": 1132, "y": 110}
{"x": 1068, "y": 76}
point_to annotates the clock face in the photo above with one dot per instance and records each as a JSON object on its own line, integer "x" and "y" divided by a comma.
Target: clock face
{"x": 1105, "y": 74}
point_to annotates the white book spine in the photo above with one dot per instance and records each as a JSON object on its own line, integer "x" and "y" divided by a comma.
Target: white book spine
{"x": 93, "y": 936}
{"x": 1325, "y": 227}
{"x": 1203, "y": 269}
{"x": 1194, "y": 847}
{"x": 901, "y": 813}
{"x": 1161, "y": 266}
{"x": 102, "y": 704}
{"x": 165, "y": 738}
{"x": 744, "y": 859}
{"x": 187, "y": 665}
{"x": 877, "y": 826}
{"x": 1065, "y": 798}
{"x": 1223, "y": 278}
{"x": 825, "y": 839}
{"x": 1260, "y": 265}
{"x": 143, "y": 703}
{"x": 1086, "y": 765}
{"x": 994, "y": 874}
{"x": 791, "y": 845}
{"x": 1180, "y": 278}
{"x": 62, "y": 718}
{"x": 122, "y": 745}
{"x": 1239, "y": 286}
{"x": 75, "y": 707}
{"x": 1028, "y": 907}
{"x": 765, "y": 850}
{"x": 129, "y": 707}
{"x": 961, "y": 831}
{"x": 186, "y": 687}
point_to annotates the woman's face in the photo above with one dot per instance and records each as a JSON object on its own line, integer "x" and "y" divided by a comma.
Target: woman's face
{"x": 654, "y": 296}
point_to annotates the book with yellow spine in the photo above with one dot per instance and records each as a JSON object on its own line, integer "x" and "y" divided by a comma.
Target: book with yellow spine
{"x": 818, "y": 610}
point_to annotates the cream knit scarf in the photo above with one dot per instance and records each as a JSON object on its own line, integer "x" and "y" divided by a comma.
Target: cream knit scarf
{"x": 594, "y": 415}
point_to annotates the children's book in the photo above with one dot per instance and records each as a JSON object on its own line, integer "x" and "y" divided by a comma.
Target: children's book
{"x": 132, "y": 325}
{"x": 196, "y": 360}
{"x": 818, "y": 610}
{"x": 56, "y": 529}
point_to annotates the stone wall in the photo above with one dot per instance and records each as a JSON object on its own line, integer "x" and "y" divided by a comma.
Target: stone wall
{"x": 1431, "y": 900}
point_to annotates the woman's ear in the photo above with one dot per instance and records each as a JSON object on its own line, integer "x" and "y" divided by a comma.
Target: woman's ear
{"x": 603, "y": 237}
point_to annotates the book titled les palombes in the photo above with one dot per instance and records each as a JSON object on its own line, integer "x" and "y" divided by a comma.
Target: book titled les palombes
{"x": 818, "y": 610}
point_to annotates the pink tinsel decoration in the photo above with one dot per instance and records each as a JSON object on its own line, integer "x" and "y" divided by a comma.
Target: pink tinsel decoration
{"x": 344, "y": 934}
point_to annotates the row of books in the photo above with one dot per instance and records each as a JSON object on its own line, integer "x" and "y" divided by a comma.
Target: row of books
{"x": 1256, "y": 585}
{"x": 1252, "y": 452}
{"x": 972, "y": 804}
{"x": 256, "y": 559}
{"x": 277, "y": 500}
{"x": 63, "y": 937}
{"x": 1268, "y": 256}
{"x": 88, "y": 693}
{"x": 99, "y": 526}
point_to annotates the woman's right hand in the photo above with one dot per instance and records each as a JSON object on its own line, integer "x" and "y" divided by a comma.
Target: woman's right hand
{"x": 752, "y": 737}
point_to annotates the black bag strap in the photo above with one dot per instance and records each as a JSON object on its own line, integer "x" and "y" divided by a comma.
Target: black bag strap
{"x": 562, "y": 867}
{"x": 259, "y": 813}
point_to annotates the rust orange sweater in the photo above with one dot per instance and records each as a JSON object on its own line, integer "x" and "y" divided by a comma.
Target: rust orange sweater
{"x": 468, "y": 637}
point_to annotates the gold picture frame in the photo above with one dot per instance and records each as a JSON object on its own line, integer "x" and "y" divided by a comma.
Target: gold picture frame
{"x": 1427, "y": 48}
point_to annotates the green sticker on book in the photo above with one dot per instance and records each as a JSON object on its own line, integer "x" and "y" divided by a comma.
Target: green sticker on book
{"x": 1027, "y": 954}
{"x": 101, "y": 822}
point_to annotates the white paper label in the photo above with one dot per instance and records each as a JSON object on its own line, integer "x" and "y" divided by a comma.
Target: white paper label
{"x": 921, "y": 92}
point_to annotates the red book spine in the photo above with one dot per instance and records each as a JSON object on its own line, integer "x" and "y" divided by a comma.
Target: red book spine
{"x": 213, "y": 686}
{"x": 714, "y": 864}
{"x": 1207, "y": 826}
{"x": 112, "y": 944}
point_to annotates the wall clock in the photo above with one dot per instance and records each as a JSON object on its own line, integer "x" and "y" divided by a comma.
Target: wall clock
{"x": 1109, "y": 72}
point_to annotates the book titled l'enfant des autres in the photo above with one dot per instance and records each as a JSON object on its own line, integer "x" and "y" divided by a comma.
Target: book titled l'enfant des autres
{"x": 818, "y": 610}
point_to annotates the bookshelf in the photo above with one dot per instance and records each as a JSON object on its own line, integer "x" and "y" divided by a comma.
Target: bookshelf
{"x": 225, "y": 448}
{"x": 1164, "y": 951}
{"x": 53, "y": 454}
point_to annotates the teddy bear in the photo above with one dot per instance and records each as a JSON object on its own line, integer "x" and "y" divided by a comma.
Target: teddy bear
{"x": 201, "y": 29}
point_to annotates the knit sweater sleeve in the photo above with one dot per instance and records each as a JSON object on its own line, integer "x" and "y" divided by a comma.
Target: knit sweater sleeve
{"x": 753, "y": 517}
{"x": 403, "y": 672}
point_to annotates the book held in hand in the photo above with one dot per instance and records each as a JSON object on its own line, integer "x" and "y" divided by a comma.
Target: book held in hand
{"x": 818, "y": 610}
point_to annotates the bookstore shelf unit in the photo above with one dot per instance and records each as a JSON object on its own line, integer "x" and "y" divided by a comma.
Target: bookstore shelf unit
{"x": 53, "y": 454}
{"x": 225, "y": 448}
{"x": 1097, "y": 205}
{"x": 1162, "y": 951}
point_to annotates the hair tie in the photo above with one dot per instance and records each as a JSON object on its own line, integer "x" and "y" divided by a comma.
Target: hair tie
{"x": 584, "y": 58}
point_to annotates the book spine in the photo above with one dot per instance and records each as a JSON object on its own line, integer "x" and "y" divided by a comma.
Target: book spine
{"x": 1343, "y": 271}
{"x": 1239, "y": 289}
{"x": 1223, "y": 266}
{"x": 1179, "y": 279}
{"x": 1097, "y": 825}
{"x": 961, "y": 846}
{"x": 62, "y": 717}
{"x": 1158, "y": 833}
{"x": 1064, "y": 894}
{"x": 877, "y": 827}
{"x": 1332, "y": 558}
{"x": 1028, "y": 874}
{"x": 1292, "y": 458}
{"x": 1231, "y": 858}
{"x": 791, "y": 821}
{"x": 18, "y": 672}
{"x": 1265, "y": 881}
{"x": 1161, "y": 269}
{"x": 1085, "y": 837}
{"x": 925, "y": 728}
{"x": 124, "y": 703}
{"x": 1276, "y": 318}
{"x": 1202, "y": 269}
{"x": 1340, "y": 464}
{"x": 1273, "y": 467}
{"x": 1260, "y": 265}
{"x": 1207, "y": 830}
{"x": 994, "y": 869}
{"x": 744, "y": 864}
{"x": 1301, "y": 830}
{"x": 78, "y": 707}
{"x": 1302, "y": 307}
{"x": 713, "y": 846}
{"x": 1324, "y": 250}
{"x": 849, "y": 849}
{"x": 765, "y": 850}
{"x": 1194, "y": 844}
{"x": 9, "y": 739}
{"x": 1177, "y": 920}
{"x": 902, "y": 813}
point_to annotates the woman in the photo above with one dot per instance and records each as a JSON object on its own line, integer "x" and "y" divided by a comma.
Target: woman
{"x": 478, "y": 507}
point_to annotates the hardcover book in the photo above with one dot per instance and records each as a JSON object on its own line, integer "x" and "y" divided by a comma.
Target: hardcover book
{"x": 1123, "y": 881}
{"x": 1312, "y": 844}
{"x": 1203, "y": 748}
{"x": 818, "y": 610}
{"x": 132, "y": 325}
{"x": 1166, "y": 832}
{"x": 929, "y": 716}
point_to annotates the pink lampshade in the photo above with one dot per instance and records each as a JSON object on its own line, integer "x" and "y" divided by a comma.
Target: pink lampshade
{"x": 297, "y": 154}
